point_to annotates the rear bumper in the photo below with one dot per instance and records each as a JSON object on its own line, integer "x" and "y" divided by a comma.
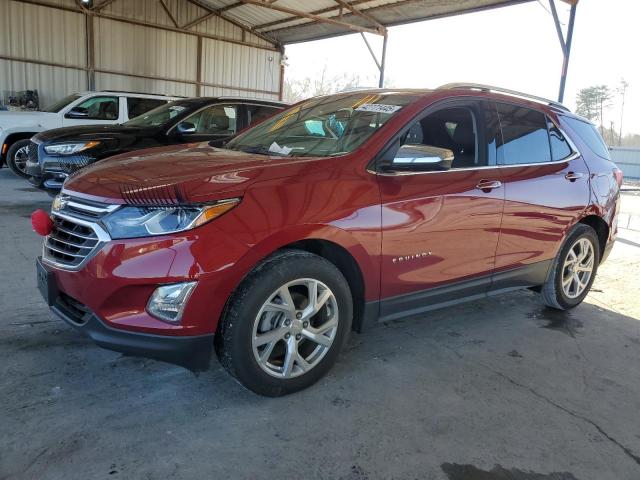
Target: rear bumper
{"x": 193, "y": 353}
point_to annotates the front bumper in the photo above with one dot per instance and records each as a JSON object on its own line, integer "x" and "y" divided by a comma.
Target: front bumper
{"x": 191, "y": 352}
{"x": 50, "y": 172}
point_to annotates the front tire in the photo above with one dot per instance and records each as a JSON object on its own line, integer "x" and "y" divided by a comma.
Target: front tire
{"x": 573, "y": 270}
{"x": 286, "y": 323}
{"x": 17, "y": 157}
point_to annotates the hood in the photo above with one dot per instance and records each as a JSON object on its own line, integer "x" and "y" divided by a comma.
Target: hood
{"x": 200, "y": 173}
{"x": 39, "y": 120}
{"x": 91, "y": 132}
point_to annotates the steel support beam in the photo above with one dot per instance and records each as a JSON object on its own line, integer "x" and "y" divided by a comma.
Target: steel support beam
{"x": 565, "y": 42}
{"x": 219, "y": 12}
{"x": 312, "y": 16}
{"x": 142, "y": 23}
{"x": 169, "y": 14}
{"x": 379, "y": 63}
{"x": 383, "y": 61}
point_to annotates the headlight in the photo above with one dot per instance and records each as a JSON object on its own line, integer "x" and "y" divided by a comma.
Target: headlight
{"x": 69, "y": 148}
{"x": 131, "y": 222}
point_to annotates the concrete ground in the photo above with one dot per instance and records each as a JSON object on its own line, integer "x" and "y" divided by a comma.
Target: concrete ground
{"x": 492, "y": 390}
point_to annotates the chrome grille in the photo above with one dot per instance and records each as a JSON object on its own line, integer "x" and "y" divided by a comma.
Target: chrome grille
{"x": 75, "y": 236}
{"x": 69, "y": 243}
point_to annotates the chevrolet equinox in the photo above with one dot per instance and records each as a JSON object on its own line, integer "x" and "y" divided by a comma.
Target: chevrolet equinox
{"x": 337, "y": 212}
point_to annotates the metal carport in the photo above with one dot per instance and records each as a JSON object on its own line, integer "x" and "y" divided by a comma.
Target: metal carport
{"x": 195, "y": 47}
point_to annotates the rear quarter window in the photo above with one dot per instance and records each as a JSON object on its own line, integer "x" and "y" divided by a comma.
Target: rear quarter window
{"x": 589, "y": 135}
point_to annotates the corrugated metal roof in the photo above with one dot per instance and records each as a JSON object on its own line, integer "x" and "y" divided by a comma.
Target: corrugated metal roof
{"x": 279, "y": 19}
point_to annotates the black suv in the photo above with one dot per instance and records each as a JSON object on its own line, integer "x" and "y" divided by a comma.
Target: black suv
{"x": 57, "y": 153}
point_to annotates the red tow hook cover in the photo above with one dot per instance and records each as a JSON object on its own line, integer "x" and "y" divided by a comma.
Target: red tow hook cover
{"x": 41, "y": 222}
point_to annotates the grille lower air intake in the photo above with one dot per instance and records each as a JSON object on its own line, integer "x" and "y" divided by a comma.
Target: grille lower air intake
{"x": 32, "y": 152}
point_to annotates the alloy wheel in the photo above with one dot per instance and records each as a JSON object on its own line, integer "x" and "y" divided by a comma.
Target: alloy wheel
{"x": 21, "y": 157}
{"x": 578, "y": 268}
{"x": 295, "y": 328}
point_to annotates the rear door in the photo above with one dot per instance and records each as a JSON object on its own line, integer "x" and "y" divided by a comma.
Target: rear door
{"x": 546, "y": 188}
{"x": 440, "y": 228}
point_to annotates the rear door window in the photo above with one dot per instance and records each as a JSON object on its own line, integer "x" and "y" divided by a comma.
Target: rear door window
{"x": 525, "y": 139}
{"x": 589, "y": 135}
{"x": 137, "y": 106}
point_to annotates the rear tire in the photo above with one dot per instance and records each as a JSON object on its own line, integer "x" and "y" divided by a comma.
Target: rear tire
{"x": 17, "y": 157}
{"x": 573, "y": 270}
{"x": 277, "y": 336}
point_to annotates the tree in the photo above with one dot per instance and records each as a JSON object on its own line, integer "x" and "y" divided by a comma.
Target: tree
{"x": 592, "y": 101}
{"x": 296, "y": 90}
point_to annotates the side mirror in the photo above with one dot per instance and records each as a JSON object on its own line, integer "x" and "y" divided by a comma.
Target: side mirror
{"x": 423, "y": 158}
{"x": 185, "y": 127}
{"x": 79, "y": 113}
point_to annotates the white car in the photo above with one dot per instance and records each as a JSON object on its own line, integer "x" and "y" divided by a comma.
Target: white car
{"x": 87, "y": 108}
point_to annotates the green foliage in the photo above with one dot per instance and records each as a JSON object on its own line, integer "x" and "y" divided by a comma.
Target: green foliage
{"x": 592, "y": 101}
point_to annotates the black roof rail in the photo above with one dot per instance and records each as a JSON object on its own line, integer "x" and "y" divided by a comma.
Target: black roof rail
{"x": 506, "y": 91}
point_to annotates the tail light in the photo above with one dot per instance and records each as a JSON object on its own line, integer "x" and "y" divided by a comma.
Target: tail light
{"x": 617, "y": 173}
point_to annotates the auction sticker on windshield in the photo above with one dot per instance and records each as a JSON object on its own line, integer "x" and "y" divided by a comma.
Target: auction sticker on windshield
{"x": 378, "y": 108}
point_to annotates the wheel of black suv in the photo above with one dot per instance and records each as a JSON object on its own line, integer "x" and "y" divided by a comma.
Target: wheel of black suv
{"x": 17, "y": 157}
{"x": 285, "y": 325}
{"x": 573, "y": 270}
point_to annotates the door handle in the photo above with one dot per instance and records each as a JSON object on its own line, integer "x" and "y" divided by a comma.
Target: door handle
{"x": 573, "y": 176}
{"x": 487, "y": 185}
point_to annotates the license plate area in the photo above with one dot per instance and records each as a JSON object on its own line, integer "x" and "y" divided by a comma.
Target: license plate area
{"x": 46, "y": 283}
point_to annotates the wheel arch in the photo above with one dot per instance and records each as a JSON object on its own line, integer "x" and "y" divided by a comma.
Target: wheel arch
{"x": 601, "y": 228}
{"x": 13, "y": 138}
{"x": 348, "y": 266}
{"x": 335, "y": 245}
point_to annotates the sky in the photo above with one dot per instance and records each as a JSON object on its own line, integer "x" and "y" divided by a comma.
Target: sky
{"x": 514, "y": 47}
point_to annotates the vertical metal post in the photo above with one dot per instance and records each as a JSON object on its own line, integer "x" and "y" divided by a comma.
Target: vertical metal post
{"x": 383, "y": 60}
{"x": 567, "y": 53}
{"x": 199, "y": 67}
{"x": 91, "y": 62}
{"x": 565, "y": 44}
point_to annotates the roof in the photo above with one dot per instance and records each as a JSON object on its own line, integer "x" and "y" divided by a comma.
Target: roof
{"x": 463, "y": 88}
{"x": 291, "y": 21}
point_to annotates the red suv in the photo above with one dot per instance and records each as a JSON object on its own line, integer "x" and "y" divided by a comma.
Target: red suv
{"x": 337, "y": 212}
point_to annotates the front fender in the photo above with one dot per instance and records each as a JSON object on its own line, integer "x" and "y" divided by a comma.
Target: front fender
{"x": 369, "y": 267}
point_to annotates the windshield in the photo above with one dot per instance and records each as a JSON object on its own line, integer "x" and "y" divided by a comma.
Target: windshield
{"x": 60, "y": 104}
{"x": 159, "y": 115}
{"x": 325, "y": 126}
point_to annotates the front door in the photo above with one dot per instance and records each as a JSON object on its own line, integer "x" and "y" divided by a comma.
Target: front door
{"x": 441, "y": 223}
{"x": 99, "y": 110}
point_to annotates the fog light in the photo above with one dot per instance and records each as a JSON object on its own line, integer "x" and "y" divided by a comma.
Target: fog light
{"x": 168, "y": 301}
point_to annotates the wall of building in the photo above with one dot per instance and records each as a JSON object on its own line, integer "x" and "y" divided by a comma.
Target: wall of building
{"x": 627, "y": 160}
{"x": 134, "y": 45}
